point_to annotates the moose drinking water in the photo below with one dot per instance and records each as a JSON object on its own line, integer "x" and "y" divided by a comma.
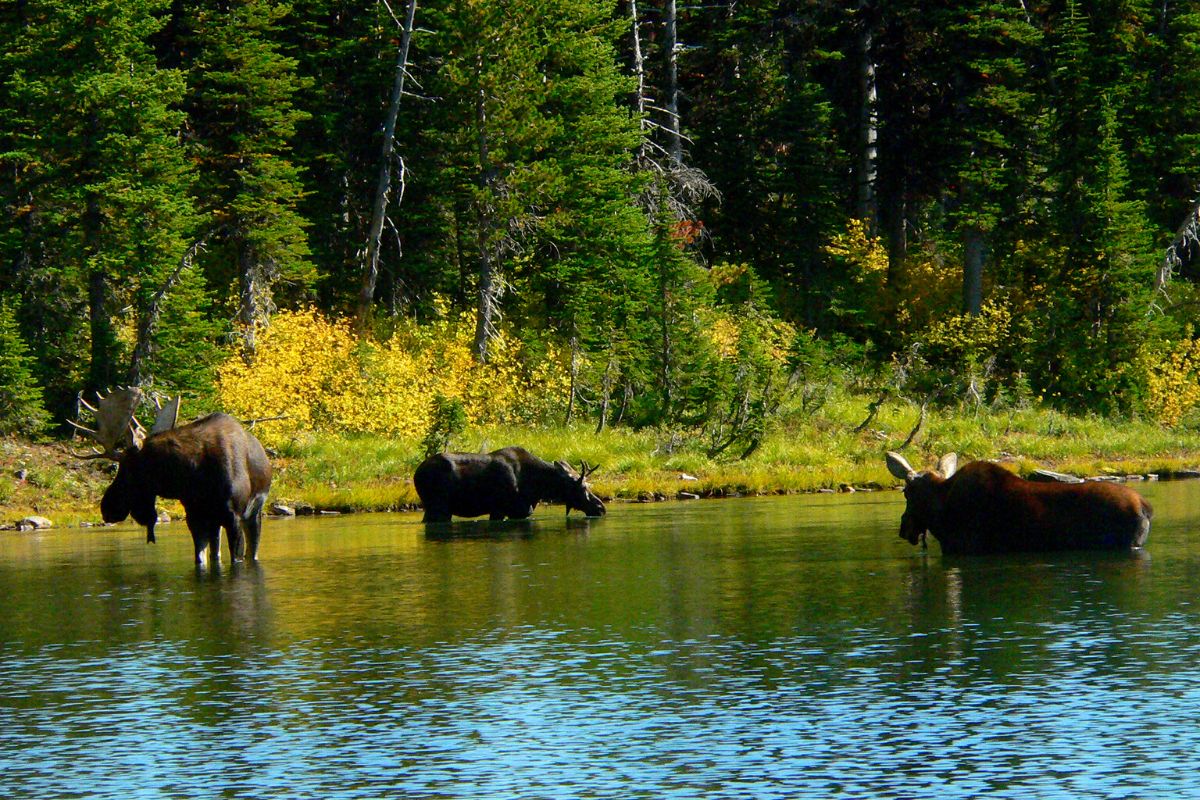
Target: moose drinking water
{"x": 507, "y": 483}
{"x": 218, "y": 471}
{"x": 984, "y": 508}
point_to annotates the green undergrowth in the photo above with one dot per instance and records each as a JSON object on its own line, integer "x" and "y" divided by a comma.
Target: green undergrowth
{"x": 801, "y": 453}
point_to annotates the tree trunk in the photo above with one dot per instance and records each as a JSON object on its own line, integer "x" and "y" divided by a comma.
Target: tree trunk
{"x": 671, "y": 45}
{"x": 666, "y": 355}
{"x": 148, "y": 326}
{"x": 973, "y": 252}
{"x": 490, "y": 284}
{"x": 896, "y": 220}
{"x": 605, "y": 396}
{"x": 252, "y": 313}
{"x": 101, "y": 369}
{"x": 868, "y": 119}
{"x": 639, "y": 67}
{"x": 574, "y": 377}
{"x": 370, "y": 275}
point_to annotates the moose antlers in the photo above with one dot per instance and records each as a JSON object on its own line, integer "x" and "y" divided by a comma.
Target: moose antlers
{"x": 117, "y": 429}
{"x": 580, "y": 474}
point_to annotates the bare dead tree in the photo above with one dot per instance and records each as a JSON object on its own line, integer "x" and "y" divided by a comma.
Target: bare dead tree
{"x": 686, "y": 186}
{"x": 491, "y": 283}
{"x": 148, "y": 326}
{"x": 868, "y": 117}
{"x": 370, "y": 274}
{"x": 1187, "y": 237}
{"x": 671, "y": 46}
{"x": 918, "y": 428}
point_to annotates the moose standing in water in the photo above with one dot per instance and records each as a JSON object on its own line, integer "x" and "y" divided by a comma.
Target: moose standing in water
{"x": 507, "y": 483}
{"x": 984, "y": 508}
{"x": 218, "y": 471}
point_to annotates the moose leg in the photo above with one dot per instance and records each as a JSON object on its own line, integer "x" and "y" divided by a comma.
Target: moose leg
{"x": 253, "y": 525}
{"x": 237, "y": 544}
{"x": 205, "y": 534}
{"x": 437, "y": 512}
{"x": 521, "y": 509}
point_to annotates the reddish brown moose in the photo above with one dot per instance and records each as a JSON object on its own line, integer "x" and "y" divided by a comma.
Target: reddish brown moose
{"x": 218, "y": 471}
{"x": 984, "y": 508}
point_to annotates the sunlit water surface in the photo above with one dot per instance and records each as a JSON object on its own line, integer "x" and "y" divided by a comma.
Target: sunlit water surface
{"x": 764, "y": 648}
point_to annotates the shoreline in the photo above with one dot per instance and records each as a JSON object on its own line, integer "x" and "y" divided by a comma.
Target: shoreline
{"x": 316, "y": 473}
{"x": 83, "y": 518}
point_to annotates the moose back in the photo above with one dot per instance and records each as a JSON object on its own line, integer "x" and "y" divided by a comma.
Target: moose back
{"x": 506, "y": 483}
{"x": 984, "y": 508}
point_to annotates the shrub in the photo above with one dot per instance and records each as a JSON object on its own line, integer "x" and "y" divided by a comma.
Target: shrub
{"x": 324, "y": 378}
{"x": 1172, "y": 373}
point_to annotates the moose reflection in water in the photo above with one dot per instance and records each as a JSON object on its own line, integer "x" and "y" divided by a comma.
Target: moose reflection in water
{"x": 506, "y": 483}
{"x": 218, "y": 471}
{"x": 984, "y": 508}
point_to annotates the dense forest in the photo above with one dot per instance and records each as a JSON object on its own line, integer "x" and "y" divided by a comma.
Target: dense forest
{"x": 691, "y": 215}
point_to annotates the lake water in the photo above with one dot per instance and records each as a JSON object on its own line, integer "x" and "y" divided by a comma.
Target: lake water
{"x": 756, "y": 648}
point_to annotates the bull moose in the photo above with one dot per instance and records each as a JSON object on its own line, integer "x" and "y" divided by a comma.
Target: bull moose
{"x": 984, "y": 508}
{"x": 506, "y": 483}
{"x": 218, "y": 471}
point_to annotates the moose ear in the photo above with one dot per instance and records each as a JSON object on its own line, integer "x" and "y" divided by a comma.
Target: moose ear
{"x": 168, "y": 415}
{"x": 948, "y": 464}
{"x": 899, "y": 467}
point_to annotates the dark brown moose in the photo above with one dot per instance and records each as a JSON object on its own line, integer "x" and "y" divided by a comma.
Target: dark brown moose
{"x": 218, "y": 471}
{"x": 984, "y": 508}
{"x": 507, "y": 483}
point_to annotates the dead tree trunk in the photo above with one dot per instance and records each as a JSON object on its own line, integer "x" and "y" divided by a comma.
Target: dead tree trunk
{"x": 639, "y": 67}
{"x": 1187, "y": 237}
{"x": 605, "y": 396}
{"x": 973, "y": 253}
{"x": 868, "y": 118}
{"x": 254, "y": 290}
{"x": 574, "y": 378}
{"x": 674, "y": 133}
{"x": 148, "y": 326}
{"x": 491, "y": 286}
{"x": 366, "y": 293}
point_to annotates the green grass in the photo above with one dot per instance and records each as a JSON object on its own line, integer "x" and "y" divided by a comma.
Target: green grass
{"x": 800, "y": 454}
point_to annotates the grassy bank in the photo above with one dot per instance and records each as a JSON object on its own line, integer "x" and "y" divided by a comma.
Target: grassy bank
{"x": 823, "y": 451}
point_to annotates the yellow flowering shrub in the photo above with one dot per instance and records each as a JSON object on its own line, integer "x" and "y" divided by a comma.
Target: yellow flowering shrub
{"x": 866, "y": 254}
{"x": 972, "y": 335}
{"x": 322, "y": 376}
{"x": 1172, "y": 374}
{"x": 303, "y": 360}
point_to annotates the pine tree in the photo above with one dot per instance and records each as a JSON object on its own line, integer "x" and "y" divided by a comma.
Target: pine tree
{"x": 993, "y": 128}
{"x": 244, "y": 116}
{"x": 769, "y": 136}
{"x": 1098, "y": 319}
{"x": 100, "y": 179}
{"x": 21, "y": 407}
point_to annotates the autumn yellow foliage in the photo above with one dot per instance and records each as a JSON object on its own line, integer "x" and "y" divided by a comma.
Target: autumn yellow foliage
{"x": 866, "y": 254}
{"x": 316, "y": 371}
{"x": 973, "y": 335}
{"x": 1172, "y": 372}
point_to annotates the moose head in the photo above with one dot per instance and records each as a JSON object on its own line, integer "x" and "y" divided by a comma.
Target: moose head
{"x": 921, "y": 492}
{"x": 575, "y": 491}
{"x": 120, "y": 436}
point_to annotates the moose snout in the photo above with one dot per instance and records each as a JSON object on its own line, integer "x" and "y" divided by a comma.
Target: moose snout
{"x": 909, "y": 531}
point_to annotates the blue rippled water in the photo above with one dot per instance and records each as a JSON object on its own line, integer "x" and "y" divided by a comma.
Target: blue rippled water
{"x": 776, "y": 648}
